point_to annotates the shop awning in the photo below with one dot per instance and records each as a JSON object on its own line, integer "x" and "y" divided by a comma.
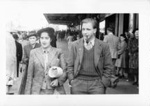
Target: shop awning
{"x": 71, "y": 19}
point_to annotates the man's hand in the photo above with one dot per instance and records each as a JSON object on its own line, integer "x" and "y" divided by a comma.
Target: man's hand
{"x": 119, "y": 56}
{"x": 70, "y": 83}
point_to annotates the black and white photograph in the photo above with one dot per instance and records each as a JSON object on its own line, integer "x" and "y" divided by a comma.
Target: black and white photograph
{"x": 109, "y": 65}
{"x": 69, "y": 53}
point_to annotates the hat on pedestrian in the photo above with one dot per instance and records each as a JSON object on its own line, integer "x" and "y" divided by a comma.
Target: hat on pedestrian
{"x": 32, "y": 34}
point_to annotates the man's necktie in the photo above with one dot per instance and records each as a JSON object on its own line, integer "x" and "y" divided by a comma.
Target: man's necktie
{"x": 88, "y": 45}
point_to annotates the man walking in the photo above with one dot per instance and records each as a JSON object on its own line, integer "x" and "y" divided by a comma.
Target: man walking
{"x": 89, "y": 62}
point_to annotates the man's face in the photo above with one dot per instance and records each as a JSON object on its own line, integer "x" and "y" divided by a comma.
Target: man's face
{"x": 88, "y": 31}
{"x": 32, "y": 40}
{"x": 136, "y": 34}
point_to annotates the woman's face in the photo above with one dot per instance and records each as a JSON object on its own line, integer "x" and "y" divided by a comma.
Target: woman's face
{"x": 122, "y": 38}
{"x": 136, "y": 34}
{"x": 45, "y": 40}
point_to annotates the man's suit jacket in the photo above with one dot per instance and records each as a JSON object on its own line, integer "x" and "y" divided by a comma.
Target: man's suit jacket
{"x": 19, "y": 51}
{"x": 113, "y": 42}
{"x": 27, "y": 50}
{"x": 18, "y": 55}
{"x": 36, "y": 72}
{"x": 102, "y": 60}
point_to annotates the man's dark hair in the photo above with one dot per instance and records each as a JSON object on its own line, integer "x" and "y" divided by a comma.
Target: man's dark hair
{"x": 15, "y": 36}
{"x": 110, "y": 29}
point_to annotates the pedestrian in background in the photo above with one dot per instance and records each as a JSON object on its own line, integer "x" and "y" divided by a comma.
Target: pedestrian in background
{"x": 32, "y": 38}
{"x": 133, "y": 53}
{"x": 32, "y": 45}
{"x": 121, "y": 60}
{"x": 112, "y": 41}
{"x": 19, "y": 52}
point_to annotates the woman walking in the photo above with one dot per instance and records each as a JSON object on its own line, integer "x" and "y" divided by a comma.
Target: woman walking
{"x": 41, "y": 60}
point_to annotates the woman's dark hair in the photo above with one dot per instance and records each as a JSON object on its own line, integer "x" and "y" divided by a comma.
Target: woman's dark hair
{"x": 135, "y": 30}
{"x": 123, "y": 35}
{"x": 50, "y": 32}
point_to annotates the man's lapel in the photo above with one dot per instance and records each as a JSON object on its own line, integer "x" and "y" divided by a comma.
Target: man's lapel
{"x": 80, "y": 49}
{"x": 30, "y": 46}
{"x": 97, "y": 51}
{"x": 36, "y": 45}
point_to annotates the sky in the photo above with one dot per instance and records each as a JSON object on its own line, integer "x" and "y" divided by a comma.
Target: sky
{"x": 28, "y": 16}
{"x": 25, "y": 21}
{"x": 29, "y": 21}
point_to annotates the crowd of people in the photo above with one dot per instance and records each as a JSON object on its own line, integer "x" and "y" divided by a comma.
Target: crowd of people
{"x": 124, "y": 54}
{"x": 92, "y": 64}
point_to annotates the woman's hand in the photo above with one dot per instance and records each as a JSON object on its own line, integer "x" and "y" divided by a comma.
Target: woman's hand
{"x": 54, "y": 83}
